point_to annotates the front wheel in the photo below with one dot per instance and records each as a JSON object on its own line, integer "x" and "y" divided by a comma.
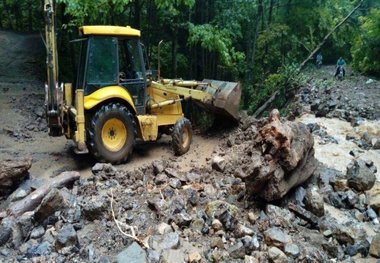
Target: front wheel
{"x": 181, "y": 136}
{"x": 111, "y": 133}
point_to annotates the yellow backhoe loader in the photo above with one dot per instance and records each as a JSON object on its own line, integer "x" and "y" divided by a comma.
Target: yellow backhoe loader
{"x": 113, "y": 101}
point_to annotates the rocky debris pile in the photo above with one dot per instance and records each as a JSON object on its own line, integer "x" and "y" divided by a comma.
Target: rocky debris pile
{"x": 332, "y": 99}
{"x": 32, "y": 108}
{"x": 158, "y": 213}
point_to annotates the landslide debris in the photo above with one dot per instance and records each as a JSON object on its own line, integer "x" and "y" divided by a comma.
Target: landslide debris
{"x": 209, "y": 214}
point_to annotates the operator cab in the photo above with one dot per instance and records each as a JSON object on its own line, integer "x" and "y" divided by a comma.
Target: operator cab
{"x": 112, "y": 56}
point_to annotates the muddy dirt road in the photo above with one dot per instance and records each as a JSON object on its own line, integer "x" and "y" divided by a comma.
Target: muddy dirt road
{"x": 23, "y": 131}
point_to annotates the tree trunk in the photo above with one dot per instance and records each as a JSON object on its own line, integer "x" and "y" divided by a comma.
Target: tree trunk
{"x": 312, "y": 54}
{"x": 12, "y": 172}
{"x": 174, "y": 49}
{"x": 31, "y": 201}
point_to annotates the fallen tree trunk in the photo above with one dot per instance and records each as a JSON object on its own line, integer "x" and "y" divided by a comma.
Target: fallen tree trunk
{"x": 265, "y": 105}
{"x": 12, "y": 172}
{"x": 31, "y": 201}
{"x": 282, "y": 158}
{"x": 312, "y": 54}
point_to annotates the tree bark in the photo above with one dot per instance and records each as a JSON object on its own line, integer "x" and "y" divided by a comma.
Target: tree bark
{"x": 31, "y": 201}
{"x": 12, "y": 172}
{"x": 312, "y": 54}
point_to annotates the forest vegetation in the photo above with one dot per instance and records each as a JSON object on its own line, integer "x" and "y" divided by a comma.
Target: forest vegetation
{"x": 259, "y": 43}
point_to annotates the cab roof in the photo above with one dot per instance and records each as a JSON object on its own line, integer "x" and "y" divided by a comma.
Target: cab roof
{"x": 109, "y": 31}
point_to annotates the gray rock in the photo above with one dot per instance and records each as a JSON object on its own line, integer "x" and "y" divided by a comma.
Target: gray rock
{"x": 37, "y": 232}
{"x": 132, "y": 254}
{"x": 159, "y": 166}
{"x": 360, "y": 176}
{"x": 241, "y": 231}
{"x": 25, "y": 223}
{"x": 361, "y": 247}
{"x": 161, "y": 178}
{"x": 164, "y": 242}
{"x": 163, "y": 228}
{"x": 94, "y": 207}
{"x": 175, "y": 174}
{"x": 314, "y": 202}
{"x": 279, "y": 216}
{"x": 198, "y": 225}
{"x": 153, "y": 256}
{"x": 51, "y": 203}
{"x": 5, "y": 234}
{"x": 237, "y": 251}
{"x": 103, "y": 169}
{"x": 299, "y": 195}
{"x": 276, "y": 255}
{"x": 376, "y": 146}
{"x": 217, "y": 242}
{"x": 218, "y": 163}
{"x": 45, "y": 248}
{"x": 276, "y": 237}
{"x": 182, "y": 219}
{"x": 292, "y": 250}
{"x": 175, "y": 183}
{"x": 193, "y": 177}
{"x": 374, "y": 249}
{"x": 371, "y": 214}
{"x": 218, "y": 207}
{"x": 67, "y": 236}
{"x": 192, "y": 197}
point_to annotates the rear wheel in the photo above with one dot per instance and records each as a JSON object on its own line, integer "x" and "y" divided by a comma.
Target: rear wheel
{"x": 181, "y": 136}
{"x": 111, "y": 133}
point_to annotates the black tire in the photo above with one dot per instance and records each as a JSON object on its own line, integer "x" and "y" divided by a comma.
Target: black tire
{"x": 98, "y": 134}
{"x": 182, "y": 136}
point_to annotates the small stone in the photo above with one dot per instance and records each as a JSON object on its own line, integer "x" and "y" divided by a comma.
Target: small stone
{"x": 153, "y": 256}
{"x": 193, "y": 177}
{"x": 164, "y": 242}
{"x": 216, "y": 225}
{"x": 103, "y": 169}
{"x": 194, "y": 257}
{"x": 276, "y": 255}
{"x": 360, "y": 176}
{"x": 339, "y": 185}
{"x": 161, "y": 178}
{"x": 327, "y": 233}
{"x": 374, "y": 249}
{"x": 237, "y": 251}
{"x": 252, "y": 217}
{"x": 376, "y": 146}
{"x": 241, "y": 231}
{"x": 45, "y": 248}
{"x": 37, "y": 232}
{"x": 159, "y": 166}
{"x": 275, "y": 236}
{"x": 218, "y": 206}
{"x": 218, "y": 163}
{"x": 132, "y": 254}
{"x": 217, "y": 242}
{"x": 163, "y": 228}
{"x": 94, "y": 207}
{"x": 67, "y": 236}
{"x": 182, "y": 219}
{"x": 314, "y": 202}
{"x": 292, "y": 250}
{"x": 175, "y": 183}
{"x": 198, "y": 225}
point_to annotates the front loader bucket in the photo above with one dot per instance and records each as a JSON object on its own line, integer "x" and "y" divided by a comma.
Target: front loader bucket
{"x": 226, "y": 97}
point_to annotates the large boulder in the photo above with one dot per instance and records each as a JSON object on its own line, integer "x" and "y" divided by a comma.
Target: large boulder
{"x": 361, "y": 175}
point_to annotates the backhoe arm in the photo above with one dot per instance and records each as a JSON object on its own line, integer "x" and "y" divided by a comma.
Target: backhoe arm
{"x": 53, "y": 93}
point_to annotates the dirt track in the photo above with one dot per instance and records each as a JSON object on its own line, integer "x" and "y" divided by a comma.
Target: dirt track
{"x": 23, "y": 131}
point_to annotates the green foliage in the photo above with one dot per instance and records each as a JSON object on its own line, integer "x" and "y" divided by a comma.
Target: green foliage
{"x": 214, "y": 39}
{"x": 286, "y": 81}
{"x": 366, "y": 48}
